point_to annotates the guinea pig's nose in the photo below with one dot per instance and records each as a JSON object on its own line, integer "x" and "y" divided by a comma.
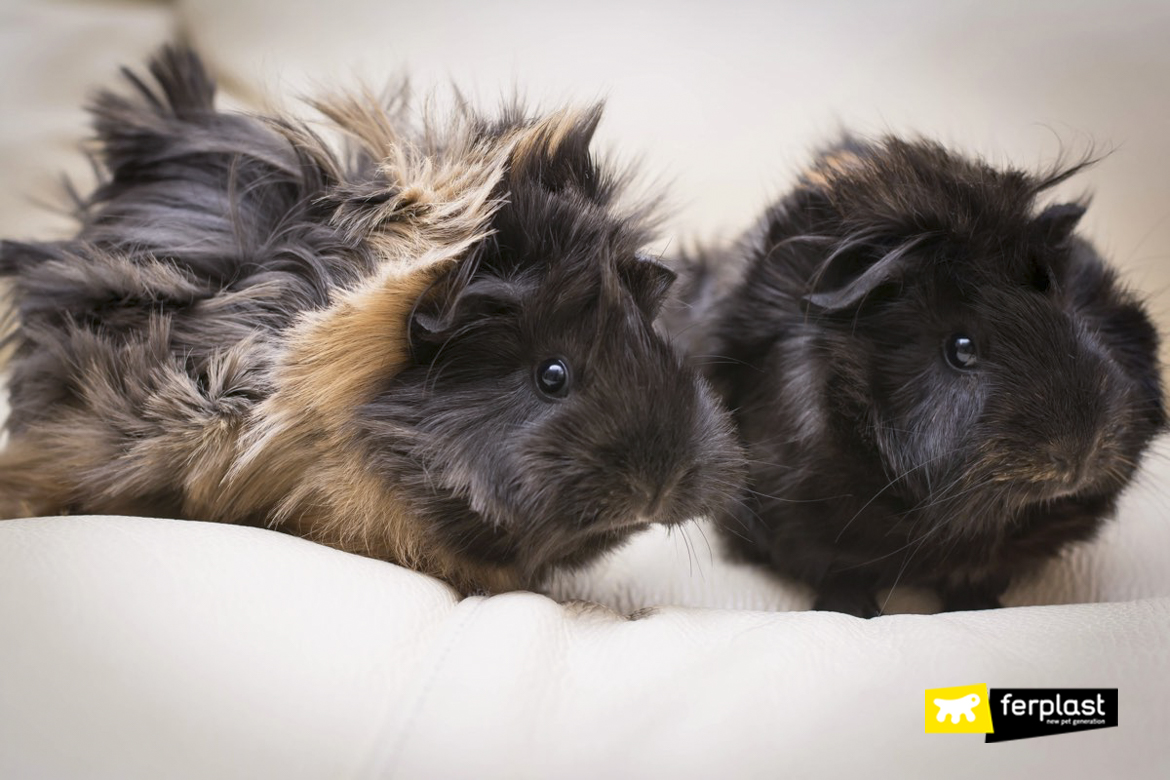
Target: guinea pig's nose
{"x": 1067, "y": 459}
{"x": 1065, "y": 465}
{"x": 655, "y": 495}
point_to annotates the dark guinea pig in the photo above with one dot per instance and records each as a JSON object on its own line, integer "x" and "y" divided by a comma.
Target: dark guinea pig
{"x": 937, "y": 381}
{"x": 434, "y": 347}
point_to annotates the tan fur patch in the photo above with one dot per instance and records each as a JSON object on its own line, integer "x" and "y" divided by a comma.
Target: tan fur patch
{"x": 298, "y": 464}
{"x": 540, "y": 141}
{"x": 30, "y": 485}
{"x": 334, "y": 362}
{"x": 832, "y": 167}
{"x": 300, "y": 467}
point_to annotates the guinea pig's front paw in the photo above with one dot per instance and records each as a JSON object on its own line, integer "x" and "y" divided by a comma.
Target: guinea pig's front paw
{"x": 972, "y": 598}
{"x": 852, "y": 600}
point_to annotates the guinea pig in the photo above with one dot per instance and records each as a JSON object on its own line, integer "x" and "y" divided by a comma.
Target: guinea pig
{"x": 434, "y": 347}
{"x": 936, "y": 380}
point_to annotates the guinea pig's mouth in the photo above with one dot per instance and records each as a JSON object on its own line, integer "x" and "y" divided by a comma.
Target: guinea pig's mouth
{"x": 1043, "y": 485}
{"x": 622, "y": 521}
{"x": 672, "y": 513}
{"x": 1057, "y": 489}
{"x": 1038, "y": 484}
{"x": 632, "y": 507}
{"x": 1061, "y": 469}
{"x": 661, "y": 513}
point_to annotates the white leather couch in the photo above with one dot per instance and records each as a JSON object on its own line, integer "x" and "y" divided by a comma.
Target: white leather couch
{"x": 150, "y": 648}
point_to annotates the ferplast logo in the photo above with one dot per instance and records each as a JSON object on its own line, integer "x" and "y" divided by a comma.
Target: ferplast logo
{"x": 1004, "y": 714}
{"x": 961, "y": 709}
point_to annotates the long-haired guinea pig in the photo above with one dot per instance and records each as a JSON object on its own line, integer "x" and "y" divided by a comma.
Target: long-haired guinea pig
{"x": 435, "y": 348}
{"x": 936, "y": 380}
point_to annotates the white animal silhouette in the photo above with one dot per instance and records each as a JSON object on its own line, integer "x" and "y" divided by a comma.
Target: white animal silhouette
{"x": 964, "y": 706}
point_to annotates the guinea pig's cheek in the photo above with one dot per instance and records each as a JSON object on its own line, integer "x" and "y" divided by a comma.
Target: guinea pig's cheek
{"x": 798, "y": 388}
{"x": 483, "y": 483}
{"x": 924, "y": 440}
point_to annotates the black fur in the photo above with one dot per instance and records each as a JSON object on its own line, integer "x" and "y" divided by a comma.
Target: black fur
{"x": 874, "y": 463}
{"x": 636, "y": 438}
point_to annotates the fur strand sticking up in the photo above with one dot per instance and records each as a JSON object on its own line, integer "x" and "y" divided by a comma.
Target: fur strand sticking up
{"x": 434, "y": 346}
{"x": 937, "y": 381}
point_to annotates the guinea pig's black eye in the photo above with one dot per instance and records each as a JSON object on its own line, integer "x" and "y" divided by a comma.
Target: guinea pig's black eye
{"x": 961, "y": 353}
{"x": 552, "y": 378}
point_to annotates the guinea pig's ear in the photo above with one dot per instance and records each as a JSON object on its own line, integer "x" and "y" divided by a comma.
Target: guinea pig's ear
{"x": 554, "y": 152}
{"x": 457, "y": 298}
{"x": 428, "y": 322}
{"x": 434, "y": 310}
{"x": 648, "y": 281}
{"x": 1057, "y": 222}
{"x": 847, "y": 276}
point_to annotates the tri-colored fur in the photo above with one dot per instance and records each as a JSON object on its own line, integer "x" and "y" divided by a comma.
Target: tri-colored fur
{"x": 242, "y": 302}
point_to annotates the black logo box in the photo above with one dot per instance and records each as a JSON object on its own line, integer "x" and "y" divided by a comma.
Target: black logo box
{"x": 1021, "y": 713}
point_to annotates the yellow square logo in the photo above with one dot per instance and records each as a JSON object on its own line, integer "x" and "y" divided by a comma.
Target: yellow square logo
{"x": 962, "y": 709}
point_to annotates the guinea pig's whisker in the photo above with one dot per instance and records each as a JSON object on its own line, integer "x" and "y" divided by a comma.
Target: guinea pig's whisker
{"x": 901, "y": 572}
{"x": 888, "y": 485}
{"x": 739, "y": 520}
{"x": 935, "y": 498}
{"x": 919, "y": 539}
{"x": 770, "y": 464}
{"x": 898, "y": 430}
{"x": 917, "y": 543}
{"x": 684, "y": 331}
{"x": 719, "y": 360}
{"x": 692, "y": 556}
{"x": 794, "y": 500}
{"x": 779, "y": 438}
{"x": 670, "y": 533}
{"x": 707, "y": 542}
